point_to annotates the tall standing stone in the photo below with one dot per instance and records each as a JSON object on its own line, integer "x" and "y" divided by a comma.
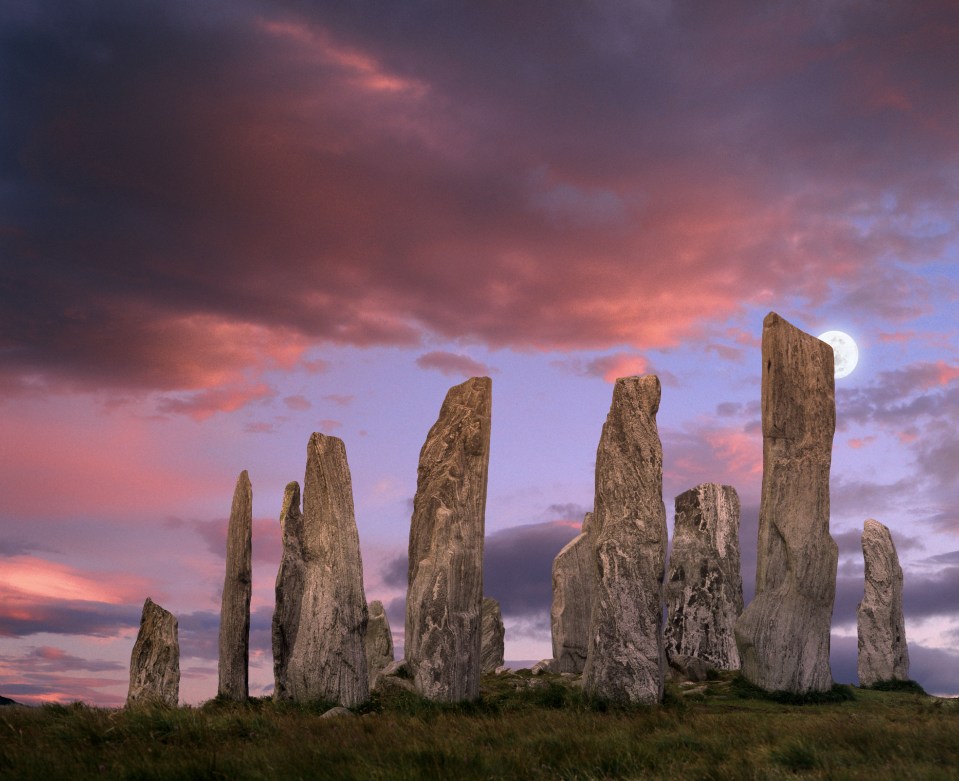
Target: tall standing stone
{"x": 328, "y": 661}
{"x": 237, "y": 590}
{"x": 444, "y": 600}
{"x": 704, "y": 584}
{"x": 289, "y": 587}
{"x": 155, "y": 661}
{"x": 494, "y": 636}
{"x": 379, "y": 641}
{"x": 783, "y": 634}
{"x": 883, "y": 655}
{"x": 574, "y": 576}
{"x": 625, "y": 659}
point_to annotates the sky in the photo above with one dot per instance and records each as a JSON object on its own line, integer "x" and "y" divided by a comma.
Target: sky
{"x": 227, "y": 225}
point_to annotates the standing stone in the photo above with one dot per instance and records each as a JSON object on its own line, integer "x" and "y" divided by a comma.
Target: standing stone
{"x": 625, "y": 659}
{"x": 883, "y": 655}
{"x": 328, "y": 661}
{"x": 783, "y": 634}
{"x": 155, "y": 661}
{"x": 237, "y": 590}
{"x": 289, "y": 588}
{"x": 379, "y": 641}
{"x": 574, "y": 576}
{"x": 494, "y": 635}
{"x": 444, "y": 600}
{"x": 704, "y": 585}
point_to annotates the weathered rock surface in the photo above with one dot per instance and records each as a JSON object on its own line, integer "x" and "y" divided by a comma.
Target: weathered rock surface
{"x": 237, "y": 589}
{"x": 444, "y": 600}
{"x": 289, "y": 588}
{"x": 379, "y": 641}
{"x": 625, "y": 659}
{"x": 328, "y": 661}
{"x": 494, "y": 636}
{"x": 155, "y": 661}
{"x": 704, "y": 584}
{"x": 783, "y": 634}
{"x": 883, "y": 655}
{"x": 689, "y": 668}
{"x": 574, "y": 575}
{"x": 542, "y": 666}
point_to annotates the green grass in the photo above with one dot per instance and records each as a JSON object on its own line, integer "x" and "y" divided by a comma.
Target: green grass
{"x": 521, "y": 728}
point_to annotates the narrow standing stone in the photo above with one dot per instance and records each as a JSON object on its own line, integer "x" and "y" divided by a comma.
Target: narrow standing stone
{"x": 783, "y": 634}
{"x": 444, "y": 600}
{"x": 883, "y": 655}
{"x": 379, "y": 641}
{"x": 289, "y": 588}
{"x": 625, "y": 659}
{"x": 328, "y": 661}
{"x": 574, "y": 576}
{"x": 237, "y": 590}
{"x": 704, "y": 585}
{"x": 494, "y": 636}
{"x": 155, "y": 661}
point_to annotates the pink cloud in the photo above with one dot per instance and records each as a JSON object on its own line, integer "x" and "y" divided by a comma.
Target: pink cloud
{"x": 25, "y": 578}
{"x": 342, "y": 399}
{"x": 204, "y": 404}
{"x": 298, "y": 403}
{"x": 452, "y": 364}
{"x": 860, "y": 442}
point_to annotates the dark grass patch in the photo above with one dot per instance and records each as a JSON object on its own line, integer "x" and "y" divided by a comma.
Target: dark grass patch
{"x": 746, "y": 690}
{"x": 897, "y": 685}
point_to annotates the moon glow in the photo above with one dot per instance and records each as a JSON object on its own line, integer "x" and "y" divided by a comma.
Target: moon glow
{"x": 844, "y": 350}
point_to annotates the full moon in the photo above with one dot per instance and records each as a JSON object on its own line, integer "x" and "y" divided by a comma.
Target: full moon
{"x": 845, "y": 351}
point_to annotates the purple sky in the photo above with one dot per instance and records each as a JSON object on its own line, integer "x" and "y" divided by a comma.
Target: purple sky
{"x": 226, "y": 225}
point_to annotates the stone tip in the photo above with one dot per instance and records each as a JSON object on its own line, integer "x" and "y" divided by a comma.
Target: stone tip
{"x": 771, "y": 319}
{"x": 320, "y": 441}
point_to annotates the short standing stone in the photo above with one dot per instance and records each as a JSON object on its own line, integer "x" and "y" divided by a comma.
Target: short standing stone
{"x": 289, "y": 588}
{"x": 494, "y": 635}
{"x": 379, "y": 641}
{"x": 574, "y": 575}
{"x": 445, "y": 595}
{"x": 237, "y": 590}
{"x": 625, "y": 659}
{"x": 704, "y": 584}
{"x": 328, "y": 661}
{"x": 783, "y": 634}
{"x": 883, "y": 655}
{"x": 155, "y": 661}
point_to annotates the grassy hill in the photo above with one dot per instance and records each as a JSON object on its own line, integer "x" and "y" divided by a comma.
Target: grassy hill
{"x": 523, "y": 727}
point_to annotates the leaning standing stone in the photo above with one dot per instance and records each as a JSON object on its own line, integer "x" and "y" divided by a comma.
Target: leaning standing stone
{"x": 704, "y": 585}
{"x": 625, "y": 659}
{"x": 155, "y": 661}
{"x": 494, "y": 636}
{"x": 328, "y": 661}
{"x": 379, "y": 641}
{"x": 574, "y": 575}
{"x": 444, "y": 600}
{"x": 883, "y": 655}
{"x": 289, "y": 588}
{"x": 783, "y": 634}
{"x": 237, "y": 590}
